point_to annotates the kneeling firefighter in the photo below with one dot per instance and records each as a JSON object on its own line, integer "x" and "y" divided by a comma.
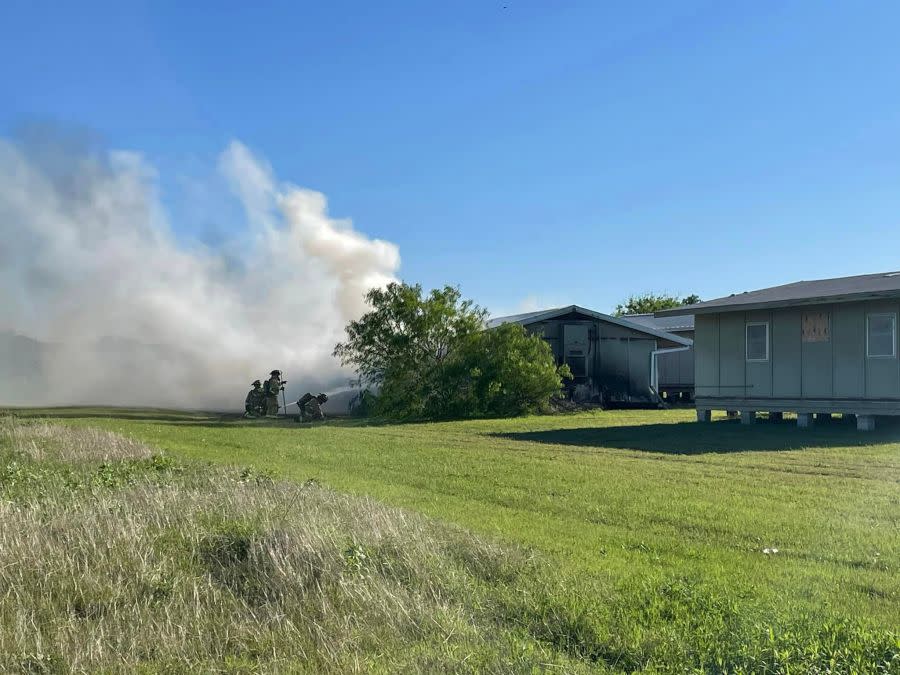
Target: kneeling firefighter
{"x": 311, "y": 407}
{"x": 255, "y": 403}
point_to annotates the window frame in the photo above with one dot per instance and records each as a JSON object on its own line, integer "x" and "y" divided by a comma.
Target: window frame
{"x": 747, "y": 326}
{"x": 893, "y": 317}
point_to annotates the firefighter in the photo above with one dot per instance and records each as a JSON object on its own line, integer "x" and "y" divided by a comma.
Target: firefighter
{"x": 254, "y": 404}
{"x": 272, "y": 388}
{"x": 311, "y": 407}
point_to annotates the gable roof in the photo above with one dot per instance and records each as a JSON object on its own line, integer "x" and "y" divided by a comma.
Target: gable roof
{"x": 523, "y": 319}
{"x": 544, "y": 315}
{"x": 841, "y": 289}
{"x": 670, "y": 324}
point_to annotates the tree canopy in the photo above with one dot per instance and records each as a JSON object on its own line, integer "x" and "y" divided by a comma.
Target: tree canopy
{"x": 429, "y": 356}
{"x": 647, "y": 303}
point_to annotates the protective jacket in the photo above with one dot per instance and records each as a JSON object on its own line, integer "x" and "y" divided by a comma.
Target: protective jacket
{"x": 254, "y": 399}
{"x": 273, "y": 386}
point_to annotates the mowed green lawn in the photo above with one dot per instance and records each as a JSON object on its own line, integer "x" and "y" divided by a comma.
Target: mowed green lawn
{"x": 635, "y": 499}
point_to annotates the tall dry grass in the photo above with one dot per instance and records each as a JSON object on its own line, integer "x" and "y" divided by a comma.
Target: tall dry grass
{"x": 140, "y": 563}
{"x": 40, "y": 440}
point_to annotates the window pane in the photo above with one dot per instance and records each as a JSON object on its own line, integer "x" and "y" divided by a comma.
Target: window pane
{"x": 757, "y": 342}
{"x": 881, "y": 335}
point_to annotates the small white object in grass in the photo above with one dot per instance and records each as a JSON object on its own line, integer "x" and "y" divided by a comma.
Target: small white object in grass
{"x": 770, "y": 551}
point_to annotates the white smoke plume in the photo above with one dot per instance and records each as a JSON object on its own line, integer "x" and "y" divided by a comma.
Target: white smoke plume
{"x": 128, "y": 314}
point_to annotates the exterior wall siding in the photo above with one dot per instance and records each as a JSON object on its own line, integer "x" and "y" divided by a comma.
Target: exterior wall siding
{"x": 613, "y": 372}
{"x": 836, "y": 369}
{"x": 732, "y": 358}
{"x": 786, "y": 354}
{"x": 706, "y": 355}
{"x": 817, "y": 368}
{"x": 676, "y": 368}
{"x": 848, "y": 329}
{"x": 639, "y": 367}
{"x": 617, "y": 357}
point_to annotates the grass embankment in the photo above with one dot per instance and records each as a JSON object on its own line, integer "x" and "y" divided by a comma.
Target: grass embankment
{"x": 114, "y": 558}
{"x": 652, "y": 531}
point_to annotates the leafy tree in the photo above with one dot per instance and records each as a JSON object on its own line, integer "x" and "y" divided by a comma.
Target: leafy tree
{"x": 504, "y": 371}
{"x": 429, "y": 356}
{"x": 402, "y": 345}
{"x": 647, "y": 303}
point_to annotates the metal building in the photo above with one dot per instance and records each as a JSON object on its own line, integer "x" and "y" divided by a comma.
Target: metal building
{"x": 811, "y": 347}
{"x": 613, "y": 359}
{"x": 675, "y": 368}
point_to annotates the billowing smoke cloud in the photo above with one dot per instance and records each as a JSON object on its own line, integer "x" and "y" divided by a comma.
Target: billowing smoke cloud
{"x": 127, "y": 313}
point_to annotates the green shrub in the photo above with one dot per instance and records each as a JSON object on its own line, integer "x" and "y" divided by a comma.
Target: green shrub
{"x": 431, "y": 357}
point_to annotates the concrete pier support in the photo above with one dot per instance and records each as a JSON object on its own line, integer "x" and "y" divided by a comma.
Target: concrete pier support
{"x": 865, "y": 422}
{"x": 776, "y": 416}
{"x": 804, "y": 420}
{"x": 748, "y": 416}
{"x": 704, "y": 415}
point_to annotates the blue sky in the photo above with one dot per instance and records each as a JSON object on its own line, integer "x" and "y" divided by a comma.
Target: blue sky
{"x": 535, "y": 153}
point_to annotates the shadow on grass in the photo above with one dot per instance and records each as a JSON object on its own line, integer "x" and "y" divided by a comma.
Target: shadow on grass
{"x": 725, "y": 436}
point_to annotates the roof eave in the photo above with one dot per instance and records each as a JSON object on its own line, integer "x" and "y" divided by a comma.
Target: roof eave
{"x": 562, "y": 311}
{"x": 777, "y": 304}
{"x": 543, "y": 316}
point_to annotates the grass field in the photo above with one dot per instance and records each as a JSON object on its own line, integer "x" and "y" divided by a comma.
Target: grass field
{"x": 654, "y": 529}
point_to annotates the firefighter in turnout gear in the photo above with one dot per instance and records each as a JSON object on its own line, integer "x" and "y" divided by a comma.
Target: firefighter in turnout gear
{"x": 272, "y": 388}
{"x": 311, "y": 407}
{"x": 255, "y": 403}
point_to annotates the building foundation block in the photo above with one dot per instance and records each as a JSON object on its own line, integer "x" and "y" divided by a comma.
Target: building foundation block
{"x": 748, "y": 416}
{"x": 804, "y": 420}
{"x": 704, "y": 415}
{"x": 865, "y": 422}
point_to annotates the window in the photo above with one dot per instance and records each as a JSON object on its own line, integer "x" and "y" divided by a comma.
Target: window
{"x": 881, "y": 335}
{"x": 757, "y": 341}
